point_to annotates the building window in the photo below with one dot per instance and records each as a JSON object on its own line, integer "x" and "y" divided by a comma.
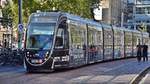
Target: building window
{"x": 143, "y": 10}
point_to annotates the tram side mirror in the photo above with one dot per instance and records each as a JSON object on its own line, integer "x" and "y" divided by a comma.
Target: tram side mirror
{"x": 59, "y": 42}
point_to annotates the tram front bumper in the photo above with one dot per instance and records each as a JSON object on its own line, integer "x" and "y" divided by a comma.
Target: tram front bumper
{"x": 46, "y": 67}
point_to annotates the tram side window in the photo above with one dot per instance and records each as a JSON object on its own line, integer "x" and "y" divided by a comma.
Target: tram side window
{"x": 108, "y": 37}
{"x": 76, "y": 36}
{"x": 135, "y": 39}
{"x": 59, "y": 38}
{"x": 90, "y": 37}
{"x": 93, "y": 37}
{"x": 128, "y": 38}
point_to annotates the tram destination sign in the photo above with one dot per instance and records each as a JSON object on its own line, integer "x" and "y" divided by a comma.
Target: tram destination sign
{"x": 43, "y": 19}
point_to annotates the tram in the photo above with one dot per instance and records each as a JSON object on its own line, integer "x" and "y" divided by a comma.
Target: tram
{"x": 56, "y": 40}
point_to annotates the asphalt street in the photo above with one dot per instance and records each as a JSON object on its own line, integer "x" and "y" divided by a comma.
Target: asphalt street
{"x": 120, "y": 71}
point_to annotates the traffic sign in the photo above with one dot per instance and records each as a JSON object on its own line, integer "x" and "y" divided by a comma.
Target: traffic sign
{"x": 20, "y": 27}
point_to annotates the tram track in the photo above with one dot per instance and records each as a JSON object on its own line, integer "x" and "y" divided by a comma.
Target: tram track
{"x": 138, "y": 79}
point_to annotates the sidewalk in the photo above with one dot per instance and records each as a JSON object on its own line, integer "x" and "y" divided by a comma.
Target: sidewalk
{"x": 124, "y": 72}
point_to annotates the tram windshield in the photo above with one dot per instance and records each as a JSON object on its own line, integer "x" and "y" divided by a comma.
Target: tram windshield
{"x": 40, "y": 35}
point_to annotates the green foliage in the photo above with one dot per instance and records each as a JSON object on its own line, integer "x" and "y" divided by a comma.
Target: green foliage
{"x": 10, "y": 11}
{"x": 77, "y": 7}
{"x": 6, "y": 15}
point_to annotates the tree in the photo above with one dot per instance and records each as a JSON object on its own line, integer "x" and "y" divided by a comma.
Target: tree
{"x": 10, "y": 11}
{"x": 77, "y": 7}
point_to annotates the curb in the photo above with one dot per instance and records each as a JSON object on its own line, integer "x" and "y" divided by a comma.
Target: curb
{"x": 139, "y": 77}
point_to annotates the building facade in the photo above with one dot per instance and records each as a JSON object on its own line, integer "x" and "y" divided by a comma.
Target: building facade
{"x": 5, "y": 33}
{"x": 114, "y": 11}
{"x": 139, "y": 15}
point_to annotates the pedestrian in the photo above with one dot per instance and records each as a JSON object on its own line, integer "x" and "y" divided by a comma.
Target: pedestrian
{"x": 145, "y": 52}
{"x": 139, "y": 49}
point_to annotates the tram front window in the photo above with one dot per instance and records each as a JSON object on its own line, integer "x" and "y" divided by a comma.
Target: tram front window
{"x": 40, "y": 35}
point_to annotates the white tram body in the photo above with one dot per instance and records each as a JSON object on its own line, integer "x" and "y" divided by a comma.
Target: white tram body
{"x": 61, "y": 40}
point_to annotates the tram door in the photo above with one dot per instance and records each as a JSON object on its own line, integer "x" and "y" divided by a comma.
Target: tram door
{"x": 108, "y": 43}
{"x": 118, "y": 43}
{"x": 61, "y": 45}
{"x": 94, "y": 44}
{"x": 128, "y": 43}
{"x": 77, "y": 43}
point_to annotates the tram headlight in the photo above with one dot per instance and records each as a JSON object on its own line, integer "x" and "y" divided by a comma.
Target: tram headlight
{"x": 37, "y": 61}
{"x": 28, "y": 54}
{"x": 40, "y": 61}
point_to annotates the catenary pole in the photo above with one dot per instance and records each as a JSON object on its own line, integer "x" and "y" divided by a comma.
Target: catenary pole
{"x": 19, "y": 22}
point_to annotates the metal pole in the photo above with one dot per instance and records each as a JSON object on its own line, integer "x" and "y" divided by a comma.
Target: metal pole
{"x": 20, "y": 11}
{"x": 20, "y": 22}
{"x": 134, "y": 13}
{"x": 122, "y": 19}
{"x": 10, "y": 26}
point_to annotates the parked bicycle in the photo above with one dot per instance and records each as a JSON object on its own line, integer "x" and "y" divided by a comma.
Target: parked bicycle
{"x": 11, "y": 57}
